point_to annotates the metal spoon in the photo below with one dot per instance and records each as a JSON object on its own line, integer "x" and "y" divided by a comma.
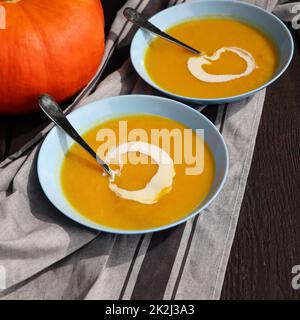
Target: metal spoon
{"x": 54, "y": 112}
{"x": 136, "y": 18}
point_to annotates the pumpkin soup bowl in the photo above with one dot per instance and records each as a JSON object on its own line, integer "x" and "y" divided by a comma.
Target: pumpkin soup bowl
{"x": 253, "y": 16}
{"x": 56, "y": 145}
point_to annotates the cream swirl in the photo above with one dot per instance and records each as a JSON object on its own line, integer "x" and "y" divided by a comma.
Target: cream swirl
{"x": 195, "y": 65}
{"x": 161, "y": 182}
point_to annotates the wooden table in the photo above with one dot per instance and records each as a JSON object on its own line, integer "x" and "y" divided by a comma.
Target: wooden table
{"x": 267, "y": 240}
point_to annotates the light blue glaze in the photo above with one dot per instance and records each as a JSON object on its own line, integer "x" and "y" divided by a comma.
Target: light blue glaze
{"x": 252, "y": 14}
{"x": 57, "y": 143}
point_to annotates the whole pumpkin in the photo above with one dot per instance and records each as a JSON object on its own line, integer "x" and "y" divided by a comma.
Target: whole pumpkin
{"x": 52, "y": 46}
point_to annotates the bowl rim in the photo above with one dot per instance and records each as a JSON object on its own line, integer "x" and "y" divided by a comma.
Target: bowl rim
{"x": 219, "y": 100}
{"x": 99, "y": 227}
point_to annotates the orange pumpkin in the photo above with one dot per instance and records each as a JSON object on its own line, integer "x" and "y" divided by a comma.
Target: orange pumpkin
{"x": 52, "y": 46}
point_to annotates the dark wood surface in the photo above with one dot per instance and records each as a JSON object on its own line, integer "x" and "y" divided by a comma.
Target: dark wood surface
{"x": 267, "y": 240}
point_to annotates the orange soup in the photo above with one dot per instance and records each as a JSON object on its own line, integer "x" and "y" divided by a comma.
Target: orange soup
{"x": 167, "y": 64}
{"x": 87, "y": 189}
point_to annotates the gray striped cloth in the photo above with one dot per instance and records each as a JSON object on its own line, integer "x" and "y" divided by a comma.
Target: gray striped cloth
{"x": 44, "y": 255}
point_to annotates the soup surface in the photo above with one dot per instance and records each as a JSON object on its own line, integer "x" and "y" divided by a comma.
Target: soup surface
{"x": 87, "y": 190}
{"x": 166, "y": 63}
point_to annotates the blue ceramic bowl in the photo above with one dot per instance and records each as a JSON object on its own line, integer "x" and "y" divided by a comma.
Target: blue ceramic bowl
{"x": 249, "y": 13}
{"x": 56, "y": 145}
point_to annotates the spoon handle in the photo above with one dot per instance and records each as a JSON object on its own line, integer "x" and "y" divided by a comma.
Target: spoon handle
{"x": 136, "y": 18}
{"x": 54, "y": 112}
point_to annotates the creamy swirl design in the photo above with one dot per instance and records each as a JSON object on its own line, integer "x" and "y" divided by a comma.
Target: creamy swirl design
{"x": 195, "y": 65}
{"x": 161, "y": 182}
